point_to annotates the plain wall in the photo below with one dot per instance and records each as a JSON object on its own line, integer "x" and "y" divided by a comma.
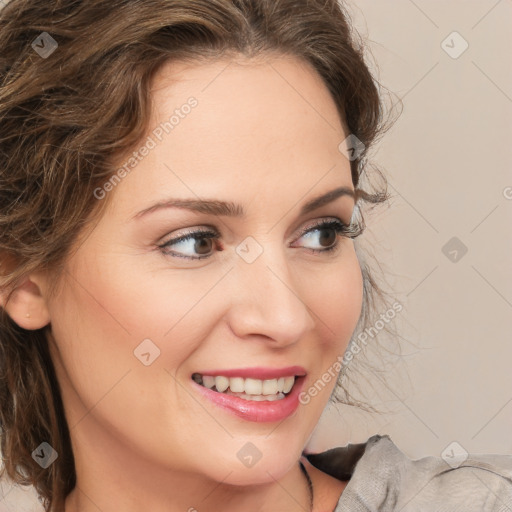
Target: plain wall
{"x": 448, "y": 159}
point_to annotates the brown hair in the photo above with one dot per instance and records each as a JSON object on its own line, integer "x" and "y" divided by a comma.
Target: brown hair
{"x": 65, "y": 118}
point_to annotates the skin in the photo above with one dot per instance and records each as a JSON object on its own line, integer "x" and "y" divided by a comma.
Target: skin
{"x": 265, "y": 134}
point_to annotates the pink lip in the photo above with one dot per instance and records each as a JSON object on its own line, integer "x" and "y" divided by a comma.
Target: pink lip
{"x": 257, "y": 372}
{"x": 259, "y": 412}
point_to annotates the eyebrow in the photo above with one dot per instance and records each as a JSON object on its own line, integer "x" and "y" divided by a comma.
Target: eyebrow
{"x": 230, "y": 209}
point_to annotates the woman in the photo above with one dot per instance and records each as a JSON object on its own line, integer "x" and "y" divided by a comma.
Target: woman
{"x": 173, "y": 320}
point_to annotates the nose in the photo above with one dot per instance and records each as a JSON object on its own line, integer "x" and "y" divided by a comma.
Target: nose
{"x": 268, "y": 300}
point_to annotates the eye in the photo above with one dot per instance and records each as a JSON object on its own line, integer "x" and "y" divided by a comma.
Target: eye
{"x": 199, "y": 240}
{"x": 199, "y": 243}
{"x": 327, "y": 234}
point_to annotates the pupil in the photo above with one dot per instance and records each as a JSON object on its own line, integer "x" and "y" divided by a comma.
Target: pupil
{"x": 323, "y": 231}
{"x": 204, "y": 242}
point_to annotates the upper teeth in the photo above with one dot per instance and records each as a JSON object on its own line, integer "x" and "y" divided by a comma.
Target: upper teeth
{"x": 249, "y": 386}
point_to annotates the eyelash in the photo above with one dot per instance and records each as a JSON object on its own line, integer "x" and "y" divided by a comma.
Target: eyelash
{"x": 352, "y": 230}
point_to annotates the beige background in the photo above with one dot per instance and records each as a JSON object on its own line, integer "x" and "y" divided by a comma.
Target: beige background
{"x": 448, "y": 160}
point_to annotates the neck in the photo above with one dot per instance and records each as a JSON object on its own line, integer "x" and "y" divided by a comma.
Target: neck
{"x": 117, "y": 478}
{"x": 310, "y": 486}
{"x": 326, "y": 488}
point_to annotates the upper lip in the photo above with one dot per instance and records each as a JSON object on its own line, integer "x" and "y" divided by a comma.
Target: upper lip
{"x": 257, "y": 372}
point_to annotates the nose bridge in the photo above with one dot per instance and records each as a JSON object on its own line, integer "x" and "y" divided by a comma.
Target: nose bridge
{"x": 266, "y": 300}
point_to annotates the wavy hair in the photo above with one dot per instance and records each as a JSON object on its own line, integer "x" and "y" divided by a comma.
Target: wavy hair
{"x": 65, "y": 118}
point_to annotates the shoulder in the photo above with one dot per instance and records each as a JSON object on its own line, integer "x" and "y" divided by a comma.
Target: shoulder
{"x": 382, "y": 478}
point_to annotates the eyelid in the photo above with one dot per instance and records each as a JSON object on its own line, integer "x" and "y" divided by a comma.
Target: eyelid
{"x": 351, "y": 230}
{"x": 320, "y": 222}
{"x": 206, "y": 232}
{"x": 212, "y": 232}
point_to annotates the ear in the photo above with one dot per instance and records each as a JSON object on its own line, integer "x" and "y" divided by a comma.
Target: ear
{"x": 27, "y": 305}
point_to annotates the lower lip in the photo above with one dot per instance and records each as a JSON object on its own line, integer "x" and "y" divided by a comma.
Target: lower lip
{"x": 250, "y": 410}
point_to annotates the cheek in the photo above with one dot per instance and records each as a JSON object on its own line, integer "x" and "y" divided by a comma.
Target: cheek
{"x": 113, "y": 317}
{"x": 351, "y": 294}
{"x": 100, "y": 318}
{"x": 118, "y": 304}
{"x": 336, "y": 301}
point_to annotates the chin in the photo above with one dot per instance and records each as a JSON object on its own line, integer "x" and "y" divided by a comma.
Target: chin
{"x": 261, "y": 473}
{"x": 252, "y": 466}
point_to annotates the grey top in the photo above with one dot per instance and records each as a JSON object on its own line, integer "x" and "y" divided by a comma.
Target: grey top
{"x": 383, "y": 479}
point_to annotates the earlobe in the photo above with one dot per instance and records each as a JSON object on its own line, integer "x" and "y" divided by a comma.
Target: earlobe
{"x": 27, "y": 305}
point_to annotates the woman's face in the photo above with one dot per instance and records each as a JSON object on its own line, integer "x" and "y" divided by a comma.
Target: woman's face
{"x": 133, "y": 322}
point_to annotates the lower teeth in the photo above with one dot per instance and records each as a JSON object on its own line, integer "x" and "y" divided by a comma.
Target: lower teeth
{"x": 257, "y": 398}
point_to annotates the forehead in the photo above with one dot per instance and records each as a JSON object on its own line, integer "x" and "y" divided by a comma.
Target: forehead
{"x": 247, "y": 86}
{"x": 267, "y": 123}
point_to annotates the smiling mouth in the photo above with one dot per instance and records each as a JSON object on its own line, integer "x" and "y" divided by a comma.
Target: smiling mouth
{"x": 248, "y": 389}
